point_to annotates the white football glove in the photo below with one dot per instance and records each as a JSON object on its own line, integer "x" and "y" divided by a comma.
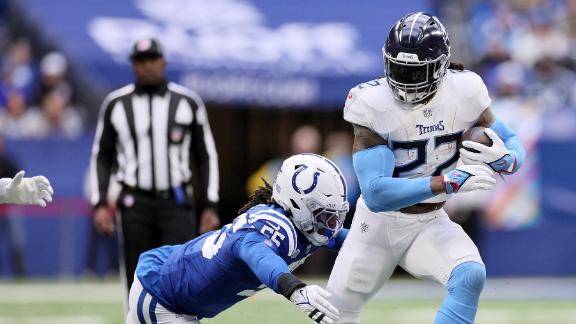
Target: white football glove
{"x": 26, "y": 191}
{"x": 313, "y": 301}
{"x": 497, "y": 156}
{"x": 468, "y": 178}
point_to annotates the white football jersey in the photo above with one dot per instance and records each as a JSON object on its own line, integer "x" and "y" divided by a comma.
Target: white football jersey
{"x": 423, "y": 137}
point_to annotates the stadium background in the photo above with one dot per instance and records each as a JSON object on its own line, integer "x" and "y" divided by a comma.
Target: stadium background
{"x": 265, "y": 68}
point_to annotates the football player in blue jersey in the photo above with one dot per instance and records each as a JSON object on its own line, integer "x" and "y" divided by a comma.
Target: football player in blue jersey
{"x": 275, "y": 232}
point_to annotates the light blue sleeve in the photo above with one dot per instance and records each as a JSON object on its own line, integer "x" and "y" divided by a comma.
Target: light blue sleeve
{"x": 374, "y": 168}
{"x": 261, "y": 258}
{"x": 512, "y": 142}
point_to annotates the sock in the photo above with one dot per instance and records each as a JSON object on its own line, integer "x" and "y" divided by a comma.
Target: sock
{"x": 464, "y": 288}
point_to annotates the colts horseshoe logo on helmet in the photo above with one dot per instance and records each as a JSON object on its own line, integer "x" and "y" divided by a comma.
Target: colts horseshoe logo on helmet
{"x": 314, "y": 181}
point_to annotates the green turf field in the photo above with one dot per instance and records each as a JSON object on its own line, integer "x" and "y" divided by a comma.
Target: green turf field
{"x": 407, "y": 312}
{"x": 99, "y": 303}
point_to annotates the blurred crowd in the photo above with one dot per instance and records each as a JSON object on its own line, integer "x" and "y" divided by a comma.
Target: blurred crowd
{"x": 524, "y": 50}
{"x": 36, "y": 98}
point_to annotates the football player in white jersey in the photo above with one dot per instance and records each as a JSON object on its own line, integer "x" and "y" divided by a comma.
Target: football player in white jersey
{"x": 407, "y": 126}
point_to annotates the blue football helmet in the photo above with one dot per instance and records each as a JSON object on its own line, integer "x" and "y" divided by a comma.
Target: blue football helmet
{"x": 416, "y": 57}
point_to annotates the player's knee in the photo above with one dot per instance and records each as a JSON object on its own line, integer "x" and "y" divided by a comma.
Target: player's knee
{"x": 364, "y": 274}
{"x": 130, "y": 318}
{"x": 468, "y": 276}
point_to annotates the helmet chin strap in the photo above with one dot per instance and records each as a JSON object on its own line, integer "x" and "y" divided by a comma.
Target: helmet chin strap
{"x": 412, "y": 98}
{"x": 426, "y": 97}
{"x": 317, "y": 239}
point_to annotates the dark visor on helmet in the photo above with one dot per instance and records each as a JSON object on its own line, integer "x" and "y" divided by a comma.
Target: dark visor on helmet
{"x": 406, "y": 73}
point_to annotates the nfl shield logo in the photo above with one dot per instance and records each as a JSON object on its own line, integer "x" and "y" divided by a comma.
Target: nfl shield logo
{"x": 427, "y": 112}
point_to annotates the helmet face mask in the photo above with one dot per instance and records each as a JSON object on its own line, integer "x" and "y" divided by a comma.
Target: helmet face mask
{"x": 327, "y": 221}
{"x": 313, "y": 190}
{"x": 413, "y": 82}
{"x": 416, "y": 57}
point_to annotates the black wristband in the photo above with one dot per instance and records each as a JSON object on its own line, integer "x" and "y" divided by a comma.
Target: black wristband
{"x": 288, "y": 283}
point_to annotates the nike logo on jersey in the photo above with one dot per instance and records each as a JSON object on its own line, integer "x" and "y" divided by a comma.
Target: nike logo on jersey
{"x": 423, "y": 129}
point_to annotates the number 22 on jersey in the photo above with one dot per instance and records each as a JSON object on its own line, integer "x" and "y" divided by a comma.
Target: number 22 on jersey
{"x": 420, "y": 147}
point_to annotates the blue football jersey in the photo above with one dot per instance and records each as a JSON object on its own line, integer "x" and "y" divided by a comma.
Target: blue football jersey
{"x": 206, "y": 276}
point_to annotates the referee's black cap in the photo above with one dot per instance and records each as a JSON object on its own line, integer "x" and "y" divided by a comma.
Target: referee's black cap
{"x": 147, "y": 47}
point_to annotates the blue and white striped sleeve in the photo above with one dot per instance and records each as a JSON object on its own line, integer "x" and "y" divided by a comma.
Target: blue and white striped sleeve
{"x": 277, "y": 228}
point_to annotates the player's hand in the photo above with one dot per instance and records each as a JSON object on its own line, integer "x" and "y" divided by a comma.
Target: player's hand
{"x": 496, "y": 156}
{"x": 209, "y": 221}
{"x": 313, "y": 300}
{"x": 104, "y": 220}
{"x": 26, "y": 191}
{"x": 468, "y": 178}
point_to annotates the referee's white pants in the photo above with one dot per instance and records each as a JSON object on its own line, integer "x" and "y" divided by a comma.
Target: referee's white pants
{"x": 145, "y": 309}
{"x": 428, "y": 246}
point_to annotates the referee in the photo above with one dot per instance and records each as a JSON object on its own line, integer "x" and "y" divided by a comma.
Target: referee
{"x": 149, "y": 135}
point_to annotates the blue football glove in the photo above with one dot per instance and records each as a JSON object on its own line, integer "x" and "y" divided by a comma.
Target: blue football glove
{"x": 468, "y": 178}
{"x": 497, "y": 156}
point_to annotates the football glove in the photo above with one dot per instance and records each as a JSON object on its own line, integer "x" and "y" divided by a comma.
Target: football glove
{"x": 26, "y": 191}
{"x": 313, "y": 301}
{"x": 497, "y": 156}
{"x": 468, "y": 178}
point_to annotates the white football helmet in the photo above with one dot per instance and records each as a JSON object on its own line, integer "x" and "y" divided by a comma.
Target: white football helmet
{"x": 313, "y": 190}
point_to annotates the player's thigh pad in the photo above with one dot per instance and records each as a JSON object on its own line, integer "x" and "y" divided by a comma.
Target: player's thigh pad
{"x": 440, "y": 246}
{"x": 363, "y": 264}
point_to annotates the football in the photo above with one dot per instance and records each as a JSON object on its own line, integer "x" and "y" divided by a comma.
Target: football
{"x": 475, "y": 134}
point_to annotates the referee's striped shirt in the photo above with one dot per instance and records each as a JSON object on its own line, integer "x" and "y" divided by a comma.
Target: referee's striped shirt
{"x": 153, "y": 138}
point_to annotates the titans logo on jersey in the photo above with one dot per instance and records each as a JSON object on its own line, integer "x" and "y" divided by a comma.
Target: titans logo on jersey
{"x": 205, "y": 276}
{"x": 423, "y": 137}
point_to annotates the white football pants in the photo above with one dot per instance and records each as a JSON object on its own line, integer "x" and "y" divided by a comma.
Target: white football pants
{"x": 427, "y": 245}
{"x": 145, "y": 309}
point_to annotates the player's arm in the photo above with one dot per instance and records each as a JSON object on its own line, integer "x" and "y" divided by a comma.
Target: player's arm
{"x": 374, "y": 165}
{"x": 272, "y": 270}
{"x": 506, "y": 154}
{"x": 263, "y": 259}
